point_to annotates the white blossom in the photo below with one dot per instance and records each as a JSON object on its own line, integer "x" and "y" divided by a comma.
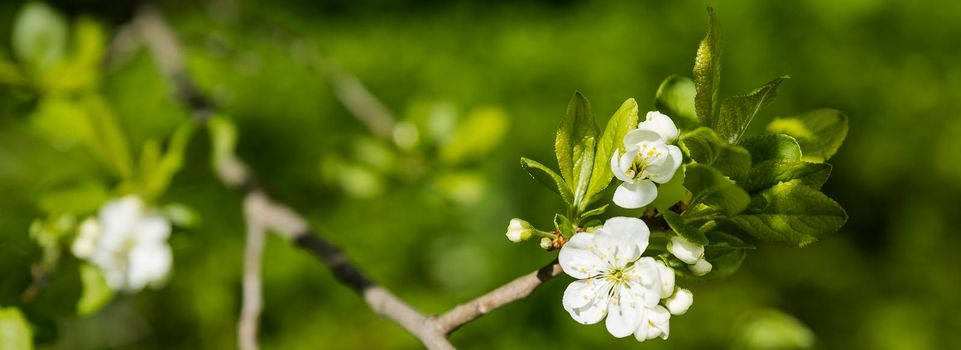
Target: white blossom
{"x": 127, "y": 241}
{"x": 690, "y": 253}
{"x": 614, "y": 280}
{"x": 649, "y": 158}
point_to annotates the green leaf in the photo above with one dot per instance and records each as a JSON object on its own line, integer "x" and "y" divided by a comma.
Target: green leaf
{"x": 564, "y": 225}
{"x": 772, "y": 147}
{"x": 593, "y": 212}
{"x": 39, "y": 35}
{"x": 675, "y": 98}
{"x": 624, "y": 119}
{"x": 157, "y": 181}
{"x": 671, "y": 192}
{"x": 574, "y": 145}
{"x": 705, "y": 147}
{"x": 791, "y": 213}
{"x": 819, "y": 133}
{"x": 726, "y": 253}
{"x": 737, "y": 112}
{"x": 772, "y": 172}
{"x": 479, "y": 133}
{"x": 96, "y": 293}
{"x": 677, "y": 224}
{"x": 15, "y": 331}
{"x": 548, "y": 178}
{"x": 109, "y": 139}
{"x": 707, "y": 71}
{"x": 713, "y": 193}
{"x": 767, "y": 329}
{"x": 223, "y": 135}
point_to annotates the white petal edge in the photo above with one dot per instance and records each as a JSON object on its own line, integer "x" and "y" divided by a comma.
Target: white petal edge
{"x": 633, "y": 195}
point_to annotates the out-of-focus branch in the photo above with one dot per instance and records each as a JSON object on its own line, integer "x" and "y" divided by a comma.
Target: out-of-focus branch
{"x": 253, "y": 255}
{"x": 263, "y": 214}
{"x": 352, "y": 93}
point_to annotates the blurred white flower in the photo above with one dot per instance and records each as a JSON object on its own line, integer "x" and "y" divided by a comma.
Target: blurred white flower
{"x": 690, "y": 253}
{"x": 128, "y": 242}
{"x": 648, "y": 158}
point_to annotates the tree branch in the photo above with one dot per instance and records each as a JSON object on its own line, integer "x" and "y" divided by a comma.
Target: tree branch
{"x": 263, "y": 213}
{"x": 515, "y": 290}
{"x": 253, "y": 255}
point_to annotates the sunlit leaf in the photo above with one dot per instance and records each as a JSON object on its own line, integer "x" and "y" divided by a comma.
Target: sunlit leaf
{"x": 675, "y": 98}
{"x": 791, "y": 213}
{"x": 39, "y": 35}
{"x": 705, "y": 147}
{"x": 15, "y": 331}
{"x": 548, "y": 178}
{"x": 624, "y": 119}
{"x": 707, "y": 71}
{"x": 574, "y": 145}
{"x": 819, "y": 133}
{"x": 737, "y": 112}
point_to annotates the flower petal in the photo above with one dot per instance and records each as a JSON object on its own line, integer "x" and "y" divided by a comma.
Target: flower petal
{"x": 582, "y": 292}
{"x": 633, "y": 195}
{"x": 619, "y": 168}
{"x": 679, "y": 302}
{"x": 86, "y": 242}
{"x": 578, "y": 259}
{"x": 666, "y": 166}
{"x": 148, "y": 264}
{"x": 644, "y": 276}
{"x": 152, "y": 228}
{"x": 632, "y": 230}
{"x": 687, "y": 251}
{"x": 666, "y": 276}
{"x": 595, "y": 310}
{"x": 661, "y": 124}
{"x": 624, "y": 312}
{"x": 701, "y": 267}
{"x": 638, "y": 137}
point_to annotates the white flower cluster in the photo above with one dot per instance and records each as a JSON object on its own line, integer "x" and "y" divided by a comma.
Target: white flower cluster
{"x": 127, "y": 241}
{"x": 636, "y": 293}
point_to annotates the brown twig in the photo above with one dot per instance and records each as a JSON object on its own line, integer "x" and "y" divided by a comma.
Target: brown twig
{"x": 264, "y": 214}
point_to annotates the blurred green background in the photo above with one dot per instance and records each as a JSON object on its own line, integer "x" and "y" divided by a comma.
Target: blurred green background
{"x": 428, "y": 222}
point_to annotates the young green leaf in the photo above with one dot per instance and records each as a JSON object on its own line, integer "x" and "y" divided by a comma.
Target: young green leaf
{"x": 677, "y": 224}
{"x": 707, "y": 71}
{"x": 737, "y": 112}
{"x": 791, "y": 213}
{"x": 593, "y": 212}
{"x": 563, "y": 225}
{"x": 574, "y": 145}
{"x": 157, "y": 181}
{"x": 705, "y": 147}
{"x": 819, "y": 133}
{"x": 39, "y": 35}
{"x": 624, "y": 119}
{"x": 548, "y": 178}
{"x": 675, "y": 98}
{"x": 713, "y": 193}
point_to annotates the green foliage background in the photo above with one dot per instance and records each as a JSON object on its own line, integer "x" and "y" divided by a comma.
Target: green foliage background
{"x": 888, "y": 280}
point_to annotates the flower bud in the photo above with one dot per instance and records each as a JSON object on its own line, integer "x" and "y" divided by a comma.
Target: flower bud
{"x": 701, "y": 267}
{"x": 678, "y": 303}
{"x": 687, "y": 251}
{"x": 519, "y": 230}
{"x": 547, "y": 243}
